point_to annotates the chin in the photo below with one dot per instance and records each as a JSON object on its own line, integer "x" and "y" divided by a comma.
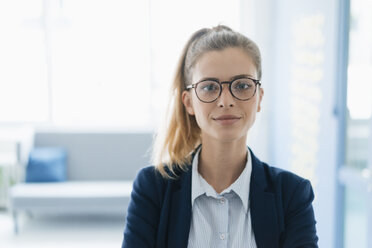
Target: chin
{"x": 225, "y": 134}
{"x": 229, "y": 136}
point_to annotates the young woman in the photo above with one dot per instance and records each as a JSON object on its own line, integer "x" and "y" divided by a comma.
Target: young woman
{"x": 207, "y": 188}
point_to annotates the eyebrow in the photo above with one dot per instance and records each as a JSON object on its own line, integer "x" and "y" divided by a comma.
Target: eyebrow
{"x": 231, "y": 79}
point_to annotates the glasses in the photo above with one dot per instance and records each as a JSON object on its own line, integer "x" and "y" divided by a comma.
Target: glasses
{"x": 209, "y": 90}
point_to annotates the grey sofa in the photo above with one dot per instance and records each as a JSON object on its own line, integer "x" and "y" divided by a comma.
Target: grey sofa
{"x": 100, "y": 170}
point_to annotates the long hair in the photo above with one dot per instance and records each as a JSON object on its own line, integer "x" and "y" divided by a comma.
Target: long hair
{"x": 173, "y": 147}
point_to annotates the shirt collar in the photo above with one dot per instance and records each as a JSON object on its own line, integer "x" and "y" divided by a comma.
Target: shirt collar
{"x": 240, "y": 186}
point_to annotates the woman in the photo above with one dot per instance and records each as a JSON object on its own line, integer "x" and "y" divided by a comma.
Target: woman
{"x": 207, "y": 188}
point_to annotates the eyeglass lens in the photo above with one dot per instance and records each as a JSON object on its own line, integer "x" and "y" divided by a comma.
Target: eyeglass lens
{"x": 209, "y": 91}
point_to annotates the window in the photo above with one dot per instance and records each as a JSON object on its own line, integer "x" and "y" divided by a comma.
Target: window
{"x": 358, "y": 132}
{"x": 96, "y": 64}
{"x": 23, "y": 77}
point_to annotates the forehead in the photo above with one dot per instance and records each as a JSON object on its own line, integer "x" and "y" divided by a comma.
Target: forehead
{"x": 224, "y": 64}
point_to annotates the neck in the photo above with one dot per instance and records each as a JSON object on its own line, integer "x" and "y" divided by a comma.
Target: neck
{"x": 220, "y": 164}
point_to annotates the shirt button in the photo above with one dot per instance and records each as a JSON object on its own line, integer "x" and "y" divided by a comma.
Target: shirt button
{"x": 222, "y": 200}
{"x": 222, "y": 236}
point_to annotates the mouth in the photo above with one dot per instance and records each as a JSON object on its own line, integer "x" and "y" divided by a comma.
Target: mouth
{"x": 227, "y": 119}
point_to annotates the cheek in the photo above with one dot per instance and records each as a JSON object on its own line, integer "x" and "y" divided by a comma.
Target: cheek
{"x": 250, "y": 112}
{"x": 201, "y": 112}
{"x": 199, "y": 116}
{"x": 255, "y": 104}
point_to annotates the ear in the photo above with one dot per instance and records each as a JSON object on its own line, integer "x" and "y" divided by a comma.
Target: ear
{"x": 187, "y": 102}
{"x": 261, "y": 94}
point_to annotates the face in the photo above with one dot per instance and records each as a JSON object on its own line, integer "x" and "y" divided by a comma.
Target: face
{"x": 211, "y": 117}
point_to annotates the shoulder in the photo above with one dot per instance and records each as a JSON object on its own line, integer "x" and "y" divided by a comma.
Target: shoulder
{"x": 151, "y": 184}
{"x": 150, "y": 176}
{"x": 148, "y": 181}
{"x": 274, "y": 179}
{"x": 280, "y": 177}
{"x": 290, "y": 189}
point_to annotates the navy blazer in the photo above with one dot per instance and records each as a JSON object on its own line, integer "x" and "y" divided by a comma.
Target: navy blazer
{"x": 159, "y": 212}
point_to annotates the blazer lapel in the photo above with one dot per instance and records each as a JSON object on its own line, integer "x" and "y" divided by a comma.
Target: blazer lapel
{"x": 180, "y": 215}
{"x": 263, "y": 211}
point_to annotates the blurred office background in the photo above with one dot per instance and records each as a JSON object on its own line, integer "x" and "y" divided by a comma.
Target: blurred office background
{"x": 96, "y": 70}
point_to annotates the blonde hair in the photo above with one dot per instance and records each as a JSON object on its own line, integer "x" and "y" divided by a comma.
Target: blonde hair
{"x": 173, "y": 148}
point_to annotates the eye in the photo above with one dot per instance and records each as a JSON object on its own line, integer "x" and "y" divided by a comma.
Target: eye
{"x": 243, "y": 85}
{"x": 209, "y": 86}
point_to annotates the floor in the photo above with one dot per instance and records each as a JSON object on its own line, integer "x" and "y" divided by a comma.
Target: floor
{"x": 62, "y": 231}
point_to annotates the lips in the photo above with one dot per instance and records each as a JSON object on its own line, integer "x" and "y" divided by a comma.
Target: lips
{"x": 227, "y": 117}
{"x": 226, "y": 120}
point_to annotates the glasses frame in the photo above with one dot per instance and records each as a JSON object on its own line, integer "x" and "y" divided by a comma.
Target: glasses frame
{"x": 195, "y": 85}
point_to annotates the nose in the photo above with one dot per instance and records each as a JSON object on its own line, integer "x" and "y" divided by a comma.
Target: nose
{"x": 225, "y": 99}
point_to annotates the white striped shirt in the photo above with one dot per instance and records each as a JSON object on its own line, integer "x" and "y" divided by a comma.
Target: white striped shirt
{"x": 221, "y": 220}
